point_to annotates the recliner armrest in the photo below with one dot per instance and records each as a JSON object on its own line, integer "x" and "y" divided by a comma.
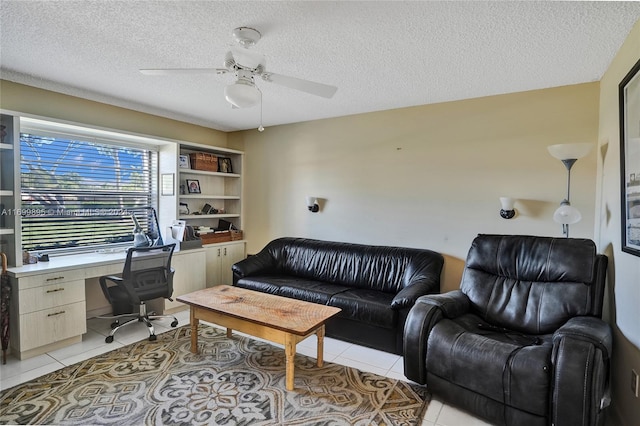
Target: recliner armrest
{"x": 452, "y": 304}
{"x": 259, "y": 264}
{"x": 423, "y": 316}
{"x": 588, "y": 329}
{"x": 581, "y": 357}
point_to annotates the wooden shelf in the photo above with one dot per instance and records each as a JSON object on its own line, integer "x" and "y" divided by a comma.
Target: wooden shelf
{"x": 210, "y": 197}
{"x": 208, "y": 216}
{"x": 206, "y": 173}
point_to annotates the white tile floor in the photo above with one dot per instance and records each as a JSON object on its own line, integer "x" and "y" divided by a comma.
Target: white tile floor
{"x": 15, "y": 371}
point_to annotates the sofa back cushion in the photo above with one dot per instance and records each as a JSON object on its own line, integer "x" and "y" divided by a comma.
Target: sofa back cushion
{"x": 382, "y": 268}
{"x": 533, "y": 284}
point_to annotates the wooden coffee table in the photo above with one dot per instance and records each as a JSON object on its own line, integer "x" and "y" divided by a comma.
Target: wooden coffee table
{"x": 273, "y": 318}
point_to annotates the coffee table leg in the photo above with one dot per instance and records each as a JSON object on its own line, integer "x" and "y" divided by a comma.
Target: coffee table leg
{"x": 320, "y": 334}
{"x": 290, "y": 354}
{"x": 229, "y": 333}
{"x": 194, "y": 331}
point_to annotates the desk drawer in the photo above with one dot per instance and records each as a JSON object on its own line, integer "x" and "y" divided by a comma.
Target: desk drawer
{"x": 52, "y": 325}
{"x": 49, "y": 296}
{"x": 31, "y": 281}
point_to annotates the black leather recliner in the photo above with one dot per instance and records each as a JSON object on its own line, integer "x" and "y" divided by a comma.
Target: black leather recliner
{"x": 521, "y": 342}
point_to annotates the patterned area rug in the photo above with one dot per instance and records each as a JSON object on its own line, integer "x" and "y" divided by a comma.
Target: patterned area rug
{"x": 238, "y": 381}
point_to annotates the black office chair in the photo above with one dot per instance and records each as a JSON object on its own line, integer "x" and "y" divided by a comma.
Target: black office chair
{"x": 147, "y": 275}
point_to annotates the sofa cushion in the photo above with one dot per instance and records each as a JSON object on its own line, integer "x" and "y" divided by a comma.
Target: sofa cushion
{"x": 266, "y": 284}
{"x": 508, "y": 367}
{"x": 310, "y": 290}
{"x": 368, "y": 306}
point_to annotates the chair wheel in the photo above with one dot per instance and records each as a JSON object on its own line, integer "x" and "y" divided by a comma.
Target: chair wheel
{"x": 173, "y": 324}
{"x": 109, "y": 339}
{"x": 153, "y": 337}
{"x": 114, "y": 325}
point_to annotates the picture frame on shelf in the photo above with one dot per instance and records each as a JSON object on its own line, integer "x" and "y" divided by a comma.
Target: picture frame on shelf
{"x": 629, "y": 98}
{"x": 224, "y": 165}
{"x": 193, "y": 186}
{"x": 183, "y": 162}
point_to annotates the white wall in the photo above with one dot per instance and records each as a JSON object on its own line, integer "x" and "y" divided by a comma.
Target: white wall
{"x": 428, "y": 176}
{"x": 623, "y": 290}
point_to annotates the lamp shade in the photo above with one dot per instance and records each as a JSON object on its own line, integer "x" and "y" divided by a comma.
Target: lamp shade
{"x": 570, "y": 151}
{"x": 507, "y": 203}
{"x": 566, "y": 214}
{"x": 242, "y": 94}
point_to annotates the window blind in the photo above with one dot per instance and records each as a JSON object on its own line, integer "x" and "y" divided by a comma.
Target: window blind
{"x": 82, "y": 192}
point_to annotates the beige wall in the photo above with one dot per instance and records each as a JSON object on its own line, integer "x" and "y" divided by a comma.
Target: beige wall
{"x": 31, "y": 100}
{"x": 624, "y": 269}
{"x": 427, "y": 176}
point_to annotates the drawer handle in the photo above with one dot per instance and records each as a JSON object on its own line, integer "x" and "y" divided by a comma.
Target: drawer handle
{"x": 55, "y": 289}
{"x": 55, "y": 279}
{"x": 56, "y": 313}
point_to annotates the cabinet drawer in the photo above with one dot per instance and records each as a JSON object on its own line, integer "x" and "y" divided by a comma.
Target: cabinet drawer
{"x": 51, "y": 278}
{"x": 48, "y": 296}
{"x": 51, "y": 325}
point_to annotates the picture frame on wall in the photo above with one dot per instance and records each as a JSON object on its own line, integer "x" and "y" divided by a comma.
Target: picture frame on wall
{"x": 193, "y": 186}
{"x": 183, "y": 162}
{"x": 224, "y": 165}
{"x": 629, "y": 97}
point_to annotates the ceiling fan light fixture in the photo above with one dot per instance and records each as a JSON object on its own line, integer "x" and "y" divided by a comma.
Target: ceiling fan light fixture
{"x": 242, "y": 94}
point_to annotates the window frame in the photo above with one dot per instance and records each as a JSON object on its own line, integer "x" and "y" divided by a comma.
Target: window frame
{"x": 47, "y": 128}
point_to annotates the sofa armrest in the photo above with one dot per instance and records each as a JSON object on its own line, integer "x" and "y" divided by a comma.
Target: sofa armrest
{"x": 581, "y": 354}
{"x": 407, "y": 297}
{"x": 260, "y": 264}
{"x": 423, "y": 316}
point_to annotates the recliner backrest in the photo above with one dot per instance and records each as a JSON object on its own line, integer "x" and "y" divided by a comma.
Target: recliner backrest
{"x": 382, "y": 268}
{"x": 533, "y": 284}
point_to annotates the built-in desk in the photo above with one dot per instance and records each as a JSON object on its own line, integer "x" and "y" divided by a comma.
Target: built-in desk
{"x": 49, "y": 300}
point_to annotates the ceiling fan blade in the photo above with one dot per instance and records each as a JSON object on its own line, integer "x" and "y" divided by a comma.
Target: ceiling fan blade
{"x": 318, "y": 89}
{"x": 172, "y": 71}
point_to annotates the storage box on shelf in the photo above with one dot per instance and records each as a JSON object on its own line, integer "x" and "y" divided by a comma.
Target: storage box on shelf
{"x": 204, "y": 161}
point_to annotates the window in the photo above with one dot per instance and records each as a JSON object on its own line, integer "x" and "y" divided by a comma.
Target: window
{"x": 80, "y": 191}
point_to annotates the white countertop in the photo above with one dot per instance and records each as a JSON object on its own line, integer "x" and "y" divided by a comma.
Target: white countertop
{"x": 75, "y": 261}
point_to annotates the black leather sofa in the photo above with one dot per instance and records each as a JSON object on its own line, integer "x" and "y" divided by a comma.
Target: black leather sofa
{"x": 521, "y": 342}
{"x": 375, "y": 286}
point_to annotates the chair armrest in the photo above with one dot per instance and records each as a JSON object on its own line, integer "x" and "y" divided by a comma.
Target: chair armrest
{"x": 581, "y": 354}
{"x": 259, "y": 264}
{"x": 590, "y": 330}
{"x": 423, "y": 316}
{"x": 452, "y": 304}
{"x": 124, "y": 285}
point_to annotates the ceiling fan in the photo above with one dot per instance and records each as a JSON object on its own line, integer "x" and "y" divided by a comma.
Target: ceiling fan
{"x": 246, "y": 65}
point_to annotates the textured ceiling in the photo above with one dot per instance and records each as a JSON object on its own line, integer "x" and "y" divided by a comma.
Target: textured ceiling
{"x": 381, "y": 55}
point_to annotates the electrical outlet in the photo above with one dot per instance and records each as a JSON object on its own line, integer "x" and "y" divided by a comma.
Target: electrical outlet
{"x": 634, "y": 383}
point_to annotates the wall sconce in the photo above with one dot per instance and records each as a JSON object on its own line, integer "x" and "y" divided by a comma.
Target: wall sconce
{"x": 568, "y": 153}
{"x": 312, "y": 204}
{"x": 507, "y": 211}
